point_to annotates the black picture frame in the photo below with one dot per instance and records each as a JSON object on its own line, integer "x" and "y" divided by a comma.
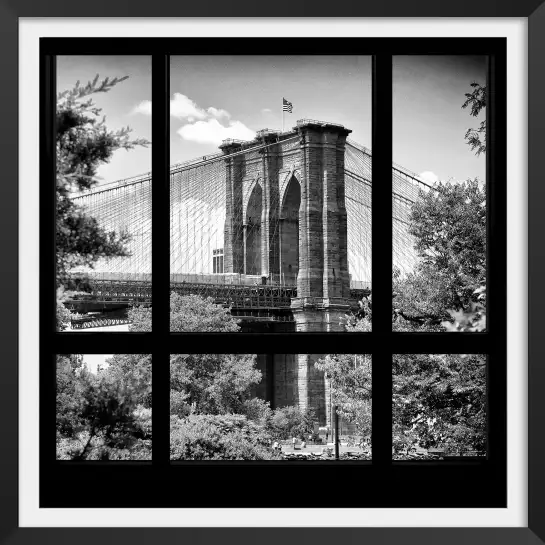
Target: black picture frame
{"x": 8, "y": 22}
{"x": 470, "y": 483}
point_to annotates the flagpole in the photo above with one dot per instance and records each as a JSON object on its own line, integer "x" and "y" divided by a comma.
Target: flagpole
{"x": 282, "y": 114}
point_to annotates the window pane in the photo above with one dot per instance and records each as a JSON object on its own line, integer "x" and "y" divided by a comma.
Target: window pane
{"x": 439, "y": 406}
{"x": 285, "y": 210}
{"x": 104, "y": 407}
{"x": 439, "y": 198}
{"x": 103, "y": 234}
{"x": 270, "y": 406}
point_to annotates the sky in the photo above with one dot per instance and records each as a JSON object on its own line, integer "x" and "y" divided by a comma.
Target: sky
{"x": 92, "y": 361}
{"x": 218, "y": 97}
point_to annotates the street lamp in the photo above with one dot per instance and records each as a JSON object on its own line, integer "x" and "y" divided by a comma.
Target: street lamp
{"x": 336, "y": 434}
{"x": 333, "y": 419}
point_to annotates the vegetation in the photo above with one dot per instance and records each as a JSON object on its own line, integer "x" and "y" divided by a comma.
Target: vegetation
{"x": 83, "y": 143}
{"x": 449, "y": 229}
{"x": 438, "y": 400}
{"x": 349, "y": 378}
{"x": 476, "y": 138}
{"x": 218, "y": 437}
{"x": 106, "y": 416}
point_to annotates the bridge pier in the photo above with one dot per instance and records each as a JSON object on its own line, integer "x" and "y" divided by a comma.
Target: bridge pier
{"x": 316, "y": 315}
{"x": 323, "y": 282}
{"x": 311, "y": 208}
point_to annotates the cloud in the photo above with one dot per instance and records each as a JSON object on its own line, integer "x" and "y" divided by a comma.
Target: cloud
{"x": 211, "y": 131}
{"x": 183, "y": 107}
{"x": 215, "y": 112}
{"x": 143, "y": 108}
{"x": 266, "y": 111}
{"x": 202, "y": 125}
{"x": 429, "y": 176}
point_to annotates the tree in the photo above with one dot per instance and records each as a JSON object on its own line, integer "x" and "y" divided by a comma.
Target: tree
{"x": 439, "y": 400}
{"x": 137, "y": 366}
{"x": 68, "y": 400}
{"x": 476, "y": 138}
{"x": 287, "y": 422}
{"x": 218, "y": 437}
{"x": 449, "y": 228}
{"x": 105, "y": 416}
{"x": 83, "y": 143}
{"x": 213, "y": 383}
{"x": 190, "y": 313}
{"x": 349, "y": 377}
{"x": 203, "y": 383}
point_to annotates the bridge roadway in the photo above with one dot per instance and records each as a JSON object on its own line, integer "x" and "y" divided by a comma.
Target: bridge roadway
{"x": 255, "y": 303}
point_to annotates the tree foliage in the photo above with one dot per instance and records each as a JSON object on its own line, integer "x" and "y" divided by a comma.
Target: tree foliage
{"x": 192, "y": 313}
{"x": 476, "y": 101}
{"x": 439, "y": 400}
{"x": 83, "y": 143}
{"x": 104, "y": 416}
{"x": 449, "y": 228}
{"x": 213, "y": 383}
{"x": 349, "y": 379}
{"x": 204, "y": 383}
{"x": 218, "y": 437}
{"x": 287, "y": 422}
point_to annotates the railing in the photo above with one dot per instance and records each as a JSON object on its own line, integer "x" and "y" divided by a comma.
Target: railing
{"x": 241, "y": 296}
{"x": 301, "y": 122}
{"x": 229, "y": 141}
{"x": 238, "y": 296}
{"x": 266, "y": 132}
{"x": 89, "y": 323}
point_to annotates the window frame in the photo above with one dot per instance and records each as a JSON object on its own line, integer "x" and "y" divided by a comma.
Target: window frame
{"x": 149, "y": 484}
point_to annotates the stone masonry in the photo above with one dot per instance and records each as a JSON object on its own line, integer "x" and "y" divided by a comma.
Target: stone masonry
{"x": 323, "y": 284}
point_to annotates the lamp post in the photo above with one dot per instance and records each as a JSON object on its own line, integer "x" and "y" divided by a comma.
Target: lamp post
{"x": 336, "y": 434}
{"x": 333, "y": 418}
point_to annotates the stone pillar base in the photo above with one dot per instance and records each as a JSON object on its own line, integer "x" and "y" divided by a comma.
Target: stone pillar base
{"x": 323, "y": 315}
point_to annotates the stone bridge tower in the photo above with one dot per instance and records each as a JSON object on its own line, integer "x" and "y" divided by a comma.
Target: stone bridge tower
{"x": 285, "y": 211}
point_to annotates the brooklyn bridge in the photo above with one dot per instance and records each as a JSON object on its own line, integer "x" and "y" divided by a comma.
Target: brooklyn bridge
{"x": 277, "y": 229}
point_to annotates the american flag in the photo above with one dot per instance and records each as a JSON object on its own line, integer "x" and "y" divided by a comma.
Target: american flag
{"x": 286, "y": 106}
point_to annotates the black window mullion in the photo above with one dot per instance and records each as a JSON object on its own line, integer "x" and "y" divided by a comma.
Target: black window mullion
{"x": 160, "y": 255}
{"x": 496, "y": 206}
{"x": 47, "y": 326}
{"x": 382, "y": 258}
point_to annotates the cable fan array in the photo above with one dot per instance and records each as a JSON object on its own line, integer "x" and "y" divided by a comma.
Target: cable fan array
{"x": 198, "y": 213}
{"x": 124, "y": 208}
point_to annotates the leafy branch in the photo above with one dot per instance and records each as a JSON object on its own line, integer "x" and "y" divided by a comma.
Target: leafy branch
{"x": 476, "y": 100}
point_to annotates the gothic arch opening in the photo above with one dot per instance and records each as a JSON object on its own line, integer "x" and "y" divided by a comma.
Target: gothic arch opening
{"x": 289, "y": 233}
{"x": 252, "y": 228}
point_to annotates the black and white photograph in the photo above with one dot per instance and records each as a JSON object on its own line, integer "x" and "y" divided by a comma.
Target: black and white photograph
{"x": 270, "y": 231}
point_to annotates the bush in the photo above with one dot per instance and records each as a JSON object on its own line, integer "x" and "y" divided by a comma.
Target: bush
{"x": 218, "y": 437}
{"x": 106, "y": 416}
{"x": 288, "y": 422}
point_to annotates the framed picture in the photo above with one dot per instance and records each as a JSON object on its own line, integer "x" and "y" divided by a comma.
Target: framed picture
{"x": 282, "y": 246}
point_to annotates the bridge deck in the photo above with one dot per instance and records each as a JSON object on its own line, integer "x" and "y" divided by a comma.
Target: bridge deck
{"x": 240, "y": 298}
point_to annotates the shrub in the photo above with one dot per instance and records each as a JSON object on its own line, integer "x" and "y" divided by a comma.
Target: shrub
{"x": 218, "y": 437}
{"x": 287, "y": 422}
